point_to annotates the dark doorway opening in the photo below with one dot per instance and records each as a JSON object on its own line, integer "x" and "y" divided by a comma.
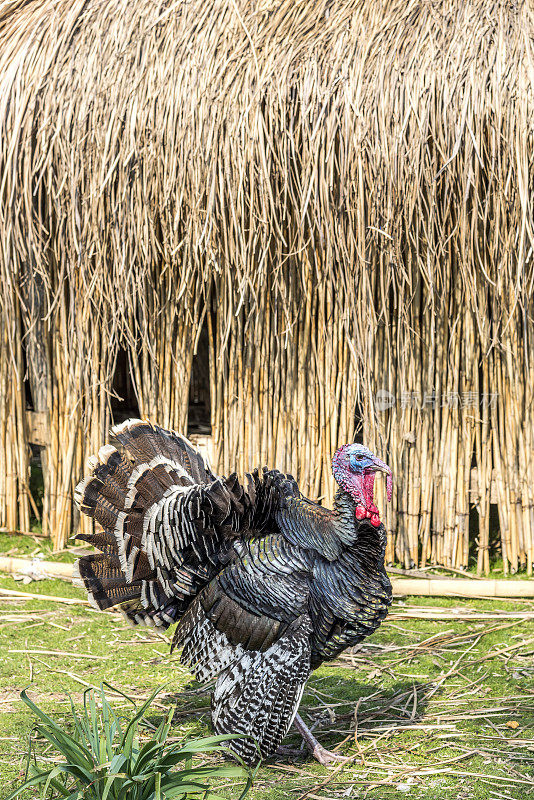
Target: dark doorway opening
{"x": 36, "y": 488}
{"x": 123, "y": 400}
{"x": 199, "y": 415}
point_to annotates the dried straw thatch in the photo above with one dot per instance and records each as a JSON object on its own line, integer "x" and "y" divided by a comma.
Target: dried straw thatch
{"x": 345, "y": 187}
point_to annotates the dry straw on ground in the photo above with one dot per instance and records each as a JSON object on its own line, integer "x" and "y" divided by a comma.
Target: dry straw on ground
{"x": 345, "y": 187}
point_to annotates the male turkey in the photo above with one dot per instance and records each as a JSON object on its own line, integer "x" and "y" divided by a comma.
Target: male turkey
{"x": 264, "y": 583}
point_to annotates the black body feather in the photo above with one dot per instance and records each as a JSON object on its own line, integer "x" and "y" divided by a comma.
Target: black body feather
{"x": 265, "y": 584}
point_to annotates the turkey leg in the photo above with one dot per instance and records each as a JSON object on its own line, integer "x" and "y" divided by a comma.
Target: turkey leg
{"x": 323, "y": 756}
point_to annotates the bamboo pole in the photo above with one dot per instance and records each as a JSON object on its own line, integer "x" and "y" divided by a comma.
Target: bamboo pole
{"x": 432, "y": 587}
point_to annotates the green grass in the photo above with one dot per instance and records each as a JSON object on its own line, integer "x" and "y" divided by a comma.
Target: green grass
{"x": 23, "y": 546}
{"x": 411, "y": 716}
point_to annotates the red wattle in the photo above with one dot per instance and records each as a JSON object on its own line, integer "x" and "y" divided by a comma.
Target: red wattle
{"x": 360, "y": 512}
{"x": 375, "y": 520}
{"x": 368, "y": 487}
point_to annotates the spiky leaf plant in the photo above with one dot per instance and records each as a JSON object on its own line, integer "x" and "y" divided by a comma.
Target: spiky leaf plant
{"x": 105, "y": 760}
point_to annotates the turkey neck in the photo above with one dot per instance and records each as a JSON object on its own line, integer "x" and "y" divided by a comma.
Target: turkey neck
{"x": 368, "y": 541}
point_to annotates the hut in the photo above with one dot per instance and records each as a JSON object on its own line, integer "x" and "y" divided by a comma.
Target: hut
{"x": 287, "y": 224}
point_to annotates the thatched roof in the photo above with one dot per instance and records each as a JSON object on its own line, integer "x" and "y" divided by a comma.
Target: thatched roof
{"x": 350, "y": 183}
{"x": 215, "y": 134}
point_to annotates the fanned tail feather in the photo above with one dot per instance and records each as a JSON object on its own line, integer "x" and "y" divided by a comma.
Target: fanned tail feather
{"x": 146, "y": 442}
{"x": 126, "y": 495}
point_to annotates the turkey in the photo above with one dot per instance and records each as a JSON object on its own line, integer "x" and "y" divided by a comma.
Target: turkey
{"x": 264, "y": 584}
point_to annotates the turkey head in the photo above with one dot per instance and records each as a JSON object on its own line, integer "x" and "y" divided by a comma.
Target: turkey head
{"x": 354, "y": 467}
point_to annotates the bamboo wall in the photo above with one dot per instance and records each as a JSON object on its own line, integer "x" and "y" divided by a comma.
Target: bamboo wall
{"x": 341, "y": 192}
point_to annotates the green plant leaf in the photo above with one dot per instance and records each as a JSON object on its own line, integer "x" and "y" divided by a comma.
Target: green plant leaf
{"x": 135, "y": 720}
{"x": 209, "y": 742}
{"x": 68, "y": 748}
{"x": 53, "y": 732}
{"x": 51, "y": 776}
{"x": 35, "y": 780}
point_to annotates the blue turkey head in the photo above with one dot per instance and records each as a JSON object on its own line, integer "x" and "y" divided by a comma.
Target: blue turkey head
{"x": 354, "y": 467}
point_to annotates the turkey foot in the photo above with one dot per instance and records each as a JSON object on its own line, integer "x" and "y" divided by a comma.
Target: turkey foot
{"x": 290, "y": 752}
{"x": 323, "y": 756}
{"x": 327, "y": 757}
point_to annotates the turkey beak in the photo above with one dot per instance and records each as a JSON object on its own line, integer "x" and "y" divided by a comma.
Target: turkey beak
{"x": 381, "y": 466}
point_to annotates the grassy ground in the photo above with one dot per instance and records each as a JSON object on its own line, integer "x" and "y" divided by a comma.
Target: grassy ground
{"x": 32, "y": 547}
{"x": 443, "y": 708}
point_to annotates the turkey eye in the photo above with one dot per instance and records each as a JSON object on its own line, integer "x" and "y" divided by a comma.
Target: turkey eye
{"x": 354, "y": 460}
